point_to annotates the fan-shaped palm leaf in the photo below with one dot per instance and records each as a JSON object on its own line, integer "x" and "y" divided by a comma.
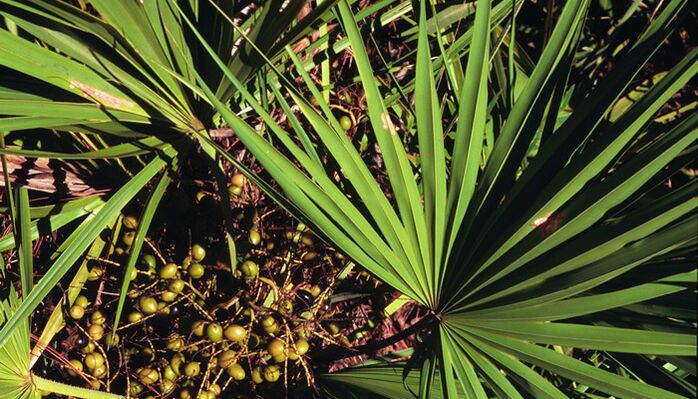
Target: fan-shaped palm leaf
{"x": 515, "y": 263}
{"x": 16, "y": 379}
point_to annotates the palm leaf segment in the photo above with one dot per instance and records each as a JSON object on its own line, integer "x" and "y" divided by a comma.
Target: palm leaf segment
{"x": 519, "y": 267}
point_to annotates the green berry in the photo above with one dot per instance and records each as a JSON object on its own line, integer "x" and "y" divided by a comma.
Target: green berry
{"x": 169, "y": 374}
{"x": 249, "y": 269}
{"x": 315, "y": 290}
{"x": 285, "y": 307}
{"x": 307, "y": 239}
{"x": 309, "y": 256}
{"x": 148, "y": 305}
{"x": 271, "y": 373}
{"x": 168, "y": 296}
{"x": 167, "y": 385}
{"x": 345, "y": 122}
{"x": 94, "y": 360}
{"x": 127, "y": 238}
{"x": 215, "y": 389}
{"x": 198, "y": 252}
{"x": 235, "y": 333}
{"x": 279, "y": 358}
{"x": 192, "y": 369}
{"x": 302, "y": 346}
{"x": 200, "y": 196}
{"x": 254, "y": 237}
{"x": 81, "y": 300}
{"x": 334, "y": 328}
{"x": 257, "y": 375}
{"x": 77, "y": 312}
{"x": 111, "y": 339}
{"x": 269, "y": 325}
{"x": 99, "y": 372}
{"x": 214, "y": 331}
{"x": 95, "y": 273}
{"x": 198, "y": 328}
{"x": 176, "y": 363}
{"x": 135, "y": 317}
{"x": 226, "y": 359}
{"x": 134, "y": 274}
{"x": 234, "y": 190}
{"x": 98, "y": 318}
{"x": 76, "y": 368}
{"x": 148, "y": 376}
{"x": 292, "y": 355}
{"x": 89, "y": 348}
{"x": 135, "y": 388}
{"x": 175, "y": 343}
{"x": 276, "y": 347}
{"x": 236, "y": 371}
{"x": 168, "y": 271}
{"x": 163, "y": 309}
{"x": 96, "y": 332}
{"x": 149, "y": 262}
{"x": 196, "y": 271}
{"x": 176, "y": 286}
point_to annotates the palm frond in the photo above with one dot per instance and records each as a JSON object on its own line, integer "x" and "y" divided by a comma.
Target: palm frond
{"x": 560, "y": 249}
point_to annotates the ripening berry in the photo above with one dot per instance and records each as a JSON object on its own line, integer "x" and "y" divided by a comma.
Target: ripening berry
{"x": 238, "y": 180}
{"x": 198, "y": 252}
{"x": 192, "y": 369}
{"x": 249, "y": 269}
{"x": 168, "y": 271}
{"x": 196, "y": 271}
{"x": 236, "y": 371}
{"x": 148, "y": 305}
{"x": 77, "y": 312}
{"x": 235, "y": 333}
{"x": 214, "y": 331}
{"x": 94, "y": 360}
{"x": 271, "y": 373}
{"x": 345, "y": 122}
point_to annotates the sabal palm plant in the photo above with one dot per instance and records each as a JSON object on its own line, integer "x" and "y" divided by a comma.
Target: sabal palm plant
{"x": 521, "y": 260}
